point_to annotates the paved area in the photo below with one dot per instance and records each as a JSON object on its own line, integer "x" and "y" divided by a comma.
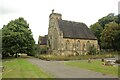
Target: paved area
{"x": 59, "y": 70}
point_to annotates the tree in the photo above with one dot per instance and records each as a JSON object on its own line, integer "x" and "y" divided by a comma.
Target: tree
{"x": 97, "y": 30}
{"x": 110, "y": 36}
{"x": 100, "y": 30}
{"x": 17, "y": 37}
{"x": 107, "y": 19}
{"x": 117, "y": 18}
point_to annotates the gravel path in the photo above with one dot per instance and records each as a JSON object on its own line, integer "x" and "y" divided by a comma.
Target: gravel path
{"x": 59, "y": 70}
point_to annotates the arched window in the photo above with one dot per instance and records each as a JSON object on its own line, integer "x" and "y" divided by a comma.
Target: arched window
{"x": 49, "y": 44}
{"x": 73, "y": 46}
{"x": 88, "y": 45}
{"x": 55, "y": 32}
{"x": 83, "y": 48}
{"x": 62, "y": 46}
{"x": 55, "y": 39}
{"x": 67, "y": 45}
{"x": 55, "y": 44}
{"x": 78, "y": 45}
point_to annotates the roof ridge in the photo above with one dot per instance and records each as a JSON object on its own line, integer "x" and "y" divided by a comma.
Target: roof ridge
{"x": 73, "y": 21}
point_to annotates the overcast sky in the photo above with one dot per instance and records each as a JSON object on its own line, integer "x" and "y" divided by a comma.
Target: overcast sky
{"x": 37, "y": 12}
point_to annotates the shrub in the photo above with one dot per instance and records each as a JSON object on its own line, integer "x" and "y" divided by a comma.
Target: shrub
{"x": 92, "y": 50}
{"x": 79, "y": 57}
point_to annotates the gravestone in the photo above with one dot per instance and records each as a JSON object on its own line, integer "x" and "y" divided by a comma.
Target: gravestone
{"x": 89, "y": 60}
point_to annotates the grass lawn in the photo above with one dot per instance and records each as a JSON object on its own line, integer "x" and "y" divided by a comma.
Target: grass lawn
{"x": 21, "y": 68}
{"x": 95, "y": 65}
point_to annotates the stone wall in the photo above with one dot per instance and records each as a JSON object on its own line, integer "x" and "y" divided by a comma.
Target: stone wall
{"x": 76, "y": 46}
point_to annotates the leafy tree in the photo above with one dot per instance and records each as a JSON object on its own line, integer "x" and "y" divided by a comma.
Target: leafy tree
{"x": 37, "y": 50}
{"x": 101, "y": 31}
{"x": 105, "y": 20}
{"x": 110, "y": 36}
{"x": 117, "y": 18}
{"x": 17, "y": 37}
{"x": 97, "y": 30}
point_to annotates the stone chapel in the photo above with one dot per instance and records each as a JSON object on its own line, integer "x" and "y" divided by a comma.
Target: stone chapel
{"x": 69, "y": 37}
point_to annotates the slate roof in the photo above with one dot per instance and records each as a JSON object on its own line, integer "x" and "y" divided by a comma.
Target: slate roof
{"x": 43, "y": 40}
{"x": 75, "y": 30}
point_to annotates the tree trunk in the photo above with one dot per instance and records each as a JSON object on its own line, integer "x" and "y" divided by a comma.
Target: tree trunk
{"x": 16, "y": 55}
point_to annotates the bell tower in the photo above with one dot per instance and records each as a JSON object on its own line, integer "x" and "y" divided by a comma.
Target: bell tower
{"x": 52, "y": 30}
{"x": 53, "y": 18}
{"x": 55, "y": 15}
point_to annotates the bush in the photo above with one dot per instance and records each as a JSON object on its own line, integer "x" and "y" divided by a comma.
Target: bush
{"x": 117, "y": 61}
{"x": 52, "y": 57}
{"x": 92, "y": 50}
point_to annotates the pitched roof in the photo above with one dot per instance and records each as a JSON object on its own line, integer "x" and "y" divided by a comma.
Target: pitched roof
{"x": 75, "y": 30}
{"x": 43, "y": 40}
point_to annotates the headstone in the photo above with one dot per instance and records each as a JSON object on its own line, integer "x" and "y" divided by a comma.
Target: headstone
{"x": 89, "y": 60}
{"x": 109, "y": 62}
{"x": 102, "y": 60}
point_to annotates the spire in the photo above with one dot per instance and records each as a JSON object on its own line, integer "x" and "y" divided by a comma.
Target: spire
{"x": 53, "y": 11}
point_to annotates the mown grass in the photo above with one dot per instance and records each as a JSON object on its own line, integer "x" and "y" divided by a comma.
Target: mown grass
{"x": 21, "y": 68}
{"x": 95, "y": 65}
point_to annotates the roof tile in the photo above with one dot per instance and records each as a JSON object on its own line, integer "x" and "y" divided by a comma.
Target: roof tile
{"x": 75, "y": 30}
